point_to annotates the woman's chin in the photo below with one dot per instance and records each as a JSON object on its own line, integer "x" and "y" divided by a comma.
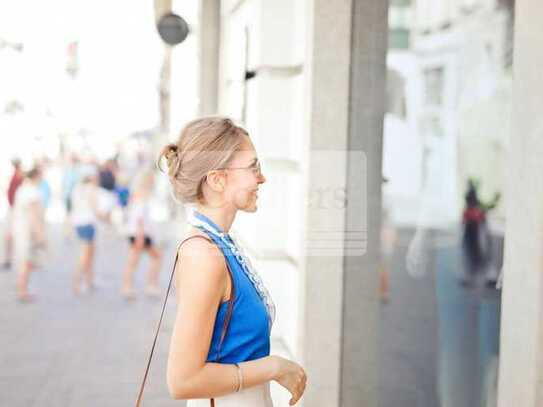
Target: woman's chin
{"x": 250, "y": 208}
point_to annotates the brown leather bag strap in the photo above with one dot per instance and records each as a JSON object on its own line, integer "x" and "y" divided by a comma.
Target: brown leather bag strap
{"x": 227, "y": 319}
{"x": 225, "y": 325}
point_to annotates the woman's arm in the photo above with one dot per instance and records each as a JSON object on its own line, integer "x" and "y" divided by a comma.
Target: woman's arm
{"x": 200, "y": 285}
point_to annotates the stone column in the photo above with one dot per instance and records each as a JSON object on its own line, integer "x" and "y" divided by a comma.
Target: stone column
{"x": 360, "y": 281}
{"x": 345, "y": 69}
{"x": 521, "y": 358}
{"x": 163, "y": 7}
{"x": 209, "y": 36}
{"x": 328, "y": 56}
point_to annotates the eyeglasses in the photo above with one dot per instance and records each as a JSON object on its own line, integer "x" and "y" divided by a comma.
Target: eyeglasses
{"x": 255, "y": 168}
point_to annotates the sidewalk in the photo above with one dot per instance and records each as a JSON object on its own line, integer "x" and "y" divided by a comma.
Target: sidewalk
{"x": 65, "y": 351}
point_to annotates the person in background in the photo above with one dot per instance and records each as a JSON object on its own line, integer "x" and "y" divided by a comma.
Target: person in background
{"x": 140, "y": 236}
{"x": 14, "y": 183}
{"x": 123, "y": 195}
{"x": 84, "y": 216}
{"x": 107, "y": 182}
{"x": 107, "y": 175}
{"x": 70, "y": 177}
{"x": 29, "y": 231}
{"x": 69, "y": 180}
{"x": 476, "y": 240}
{"x": 44, "y": 187}
{"x": 122, "y": 191}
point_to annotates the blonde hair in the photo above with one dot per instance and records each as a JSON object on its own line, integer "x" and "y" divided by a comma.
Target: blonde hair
{"x": 205, "y": 144}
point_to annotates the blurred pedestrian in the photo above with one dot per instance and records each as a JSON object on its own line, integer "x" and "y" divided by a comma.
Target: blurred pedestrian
{"x": 44, "y": 186}
{"x": 107, "y": 181}
{"x": 14, "y": 183}
{"x": 84, "y": 217}
{"x": 28, "y": 231}
{"x": 70, "y": 178}
{"x": 476, "y": 240}
{"x": 141, "y": 237}
{"x": 69, "y": 181}
{"x": 107, "y": 175}
{"x": 122, "y": 191}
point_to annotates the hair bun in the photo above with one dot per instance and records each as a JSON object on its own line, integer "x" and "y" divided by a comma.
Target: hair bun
{"x": 171, "y": 151}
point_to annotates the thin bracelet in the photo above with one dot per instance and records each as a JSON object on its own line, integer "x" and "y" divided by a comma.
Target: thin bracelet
{"x": 240, "y": 378}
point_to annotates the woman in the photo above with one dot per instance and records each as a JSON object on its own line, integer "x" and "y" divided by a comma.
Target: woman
{"x": 140, "y": 237}
{"x": 84, "y": 216}
{"x": 28, "y": 231}
{"x": 15, "y": 182}
{"x": 220, "y": 346}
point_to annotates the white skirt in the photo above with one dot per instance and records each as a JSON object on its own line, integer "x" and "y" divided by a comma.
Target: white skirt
{"x": 258, "y": 396}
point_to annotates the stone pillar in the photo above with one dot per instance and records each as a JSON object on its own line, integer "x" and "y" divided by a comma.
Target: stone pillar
{"x": 521, "y": 358}
{"x": 345, "y": 70}
{"x": 360, "y": 281}
{"x": 209, "y": 36}
{"x": 328, "y": 56}
{"x": 163, "y": 7}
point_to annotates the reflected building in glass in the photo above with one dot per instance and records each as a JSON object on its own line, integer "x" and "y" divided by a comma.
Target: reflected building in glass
{"x": 447, "y": 122}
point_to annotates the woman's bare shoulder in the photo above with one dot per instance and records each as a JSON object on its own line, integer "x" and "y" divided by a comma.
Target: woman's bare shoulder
{"x": 201, "y": 253}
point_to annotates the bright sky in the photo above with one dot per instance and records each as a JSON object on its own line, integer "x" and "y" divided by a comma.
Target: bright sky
{"x": 115, "y": 92}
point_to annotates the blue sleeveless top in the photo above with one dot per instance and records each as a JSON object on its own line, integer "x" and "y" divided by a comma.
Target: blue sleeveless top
{"x": 248, "y": 334}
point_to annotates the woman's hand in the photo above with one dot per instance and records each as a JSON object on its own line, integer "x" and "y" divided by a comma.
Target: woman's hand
{"x": 292, "y": 377}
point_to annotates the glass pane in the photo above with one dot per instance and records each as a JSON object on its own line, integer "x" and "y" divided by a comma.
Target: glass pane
{"x": 443, "y": 213}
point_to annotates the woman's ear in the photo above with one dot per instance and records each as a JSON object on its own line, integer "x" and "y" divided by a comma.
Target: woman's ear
{"x": 215, "y": 180}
